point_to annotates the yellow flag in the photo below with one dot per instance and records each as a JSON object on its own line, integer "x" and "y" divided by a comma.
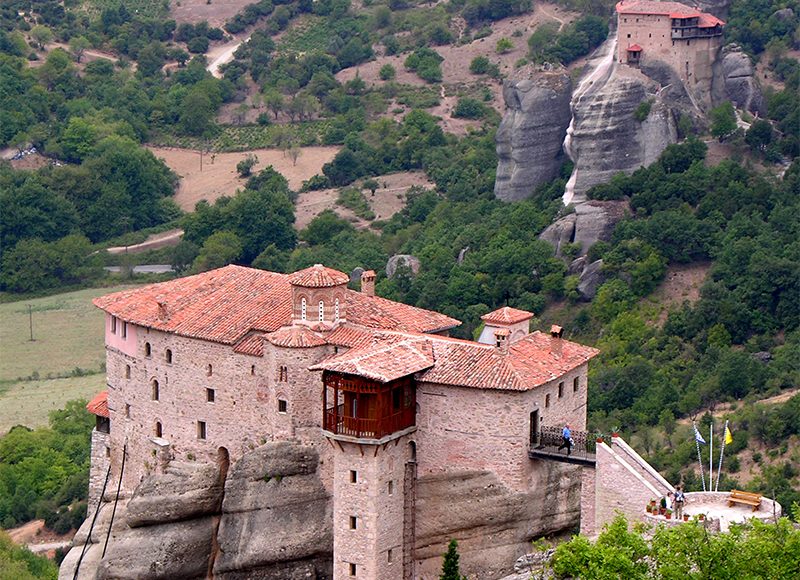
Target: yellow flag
{"x": 728, "y": 436}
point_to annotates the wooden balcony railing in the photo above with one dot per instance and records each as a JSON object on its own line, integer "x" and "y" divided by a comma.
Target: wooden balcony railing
{"x": 365, "y": 428}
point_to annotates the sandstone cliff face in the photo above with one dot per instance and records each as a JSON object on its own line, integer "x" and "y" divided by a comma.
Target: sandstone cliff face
{"x": 607, "y": 138}
{"x": 735, "y": 81}
{"x": 530, "y": 137}
{"x": 494, "y": 524}
{"x": 268, "y": 519}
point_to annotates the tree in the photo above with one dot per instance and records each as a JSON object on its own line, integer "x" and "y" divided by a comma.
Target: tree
{"x": 274, "y": 101}
{"x": 220, "y": 249}
{"x": 41, "y": 35}
{"x": 77, "y": 46}
{"x": 183, "y": 255}
{"x": 450, "y": 570}
{"x": 371, "y": 184}
{"x": 196, "y": 113}
{"x": 759, "y": 135}
{"x": 245, "y": 167}
{"x": 294, "y": 152}
{"x": 723, "y": 120}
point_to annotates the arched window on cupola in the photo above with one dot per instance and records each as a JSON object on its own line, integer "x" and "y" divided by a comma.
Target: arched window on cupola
{"x": 303, "y": 309}
{"x": 336, "y": 310}
{"x": 321, "y": 311}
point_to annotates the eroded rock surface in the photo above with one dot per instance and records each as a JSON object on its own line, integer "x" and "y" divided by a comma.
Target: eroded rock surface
{"x": 271, "y": 520}
{"x": 494, "y": 524}
{"x": 734, "y": 80}
{"x": 607, "y": 137}
{"x": 531, "y": 134}
{"x": 591, "y": 222}
{"x": 398, "y": 260}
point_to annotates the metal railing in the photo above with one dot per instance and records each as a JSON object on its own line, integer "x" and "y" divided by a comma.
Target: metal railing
{"x": 551, "y": 441}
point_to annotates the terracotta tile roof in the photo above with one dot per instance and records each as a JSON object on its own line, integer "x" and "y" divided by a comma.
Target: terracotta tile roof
{"x": 349, "y": 336}
{"x": 318, "y": 276}
{"x": 506, "y": 315}
{"x": 709, "y": 21}
{"x": 99, "y": 405}
{"x": 226, "y": 304}
{"x": 295, "y": 337}
{"x": 655, "y": 7}
{"x": 389, "y": 358}
{"x": 380, "y": 313}
{"x": 252, "y": 344}
{"x": 530, "y": 362}
{"x": 635, "y": 48}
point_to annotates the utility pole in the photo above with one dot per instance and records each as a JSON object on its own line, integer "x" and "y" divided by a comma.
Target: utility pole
{"x": 30, "y": 320}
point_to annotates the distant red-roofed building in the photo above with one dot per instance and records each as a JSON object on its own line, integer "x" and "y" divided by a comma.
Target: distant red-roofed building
{"x": 236, "y": 357}
{"x": 682, "y": 36}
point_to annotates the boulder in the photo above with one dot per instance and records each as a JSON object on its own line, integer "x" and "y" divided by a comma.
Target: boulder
{"x": 591, "y": 278}
{"x": 166, "y": 498}
{"x": 355, "y": 275}
{"x": 410, "y": 262}
{"x": 591, "y": 222}
{"x": 560, "y": 232}
{"x": 734, "y": 80}
{"x": 531, "y": 134}
{"x": 784, "y": 14}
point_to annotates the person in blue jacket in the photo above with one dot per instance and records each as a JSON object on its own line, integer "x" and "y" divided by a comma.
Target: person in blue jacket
{"x": 566, "y": 436}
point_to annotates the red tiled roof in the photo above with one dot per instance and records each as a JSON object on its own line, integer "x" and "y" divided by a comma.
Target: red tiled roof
{"x": 506, "y": 315}
{"x": 709, "y": 21}
{"x": 654, "y": 7}
{"x": 318, "y": 276}
{"x": 635, "y": 48}
{"x": 295, "y": 337}
{"x": 252, "y": 344}
{"x": 226, "y": 304}
{"x": 530, "y": 362}
{"x": 99, "y": 405}
{"x": 390, "y": 358}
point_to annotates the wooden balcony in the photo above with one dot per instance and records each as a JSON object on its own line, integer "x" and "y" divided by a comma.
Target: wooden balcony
{"x": 364, "y": 409}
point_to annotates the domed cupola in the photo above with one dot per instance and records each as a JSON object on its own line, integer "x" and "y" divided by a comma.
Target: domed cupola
{"x": 318, "y": 296}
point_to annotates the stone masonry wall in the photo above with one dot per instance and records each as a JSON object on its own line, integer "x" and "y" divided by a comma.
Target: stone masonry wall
{"x": 477, "y": 429}
{"x": 376, "y": 500}
{"x": 588, "y": 482}
{"x": 622, "y": 484}
{"x": 243, "y": 414}
{"x": 98, "y": 467}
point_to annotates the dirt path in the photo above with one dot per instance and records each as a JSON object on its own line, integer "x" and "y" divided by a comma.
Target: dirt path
{"x": 39, "y": 539}
{"x": 153, "y": 242}
{"x": 222, "y": 54}
{"x": 218, "y": 176}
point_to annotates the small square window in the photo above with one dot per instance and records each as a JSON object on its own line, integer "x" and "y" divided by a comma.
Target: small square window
{"x": 560, "y": 390}
{"x": 168, "y": 356}
{"x": 127, "y": 411}
{"x": 389, "y": 556}
{"x": 201, "y": 429}
{"x": 391, "y": 488}
{"x": 576, "y": 384}
{"x": 283, "y": 406}
{"x": 210, "y": 395}
{"x": 252, "y": 369}
{"x": 353, "y": 476}
{"x": 353, "y": 523}
{"x": 547, "y": 400}
{"x": 352, "y": 569}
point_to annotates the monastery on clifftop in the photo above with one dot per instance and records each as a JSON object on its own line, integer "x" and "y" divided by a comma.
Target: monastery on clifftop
{"x": 213, "y": 365}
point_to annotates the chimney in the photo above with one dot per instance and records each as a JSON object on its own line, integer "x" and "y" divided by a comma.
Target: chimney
{"x": 555, "y": 339}
{"x": 368, "y": 283}
{"x": 501, "y": 339}
{"x": 162, "y": 310}
{"x": 556, "y": 331}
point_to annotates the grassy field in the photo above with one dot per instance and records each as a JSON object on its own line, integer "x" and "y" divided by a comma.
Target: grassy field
{"x": 38, "y": 376}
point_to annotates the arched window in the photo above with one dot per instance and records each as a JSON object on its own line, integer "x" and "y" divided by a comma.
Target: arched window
{"x": 127, "y": 371}
{"x": 168, "y": 356}
{"x": 303, "y": 309}
{"x": 321, "y": 311}
{"x": 158, "y": 429}
{"x": 336, "y": 310}
{"x": 155, "y": 393}
{"x": 147, "y": 349}
{"x": 209, "y": 370}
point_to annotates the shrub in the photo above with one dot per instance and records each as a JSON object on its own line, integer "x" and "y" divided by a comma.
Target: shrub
{"x": 479, "y": 65}
{"x": 387, "y": 72}
{"x": 245, "y": 167}
{"x": 426, "y": 62}
{"x": 643, "y": 110}
{"x": 504, "y": 45}
{"x": 468, "y": 108}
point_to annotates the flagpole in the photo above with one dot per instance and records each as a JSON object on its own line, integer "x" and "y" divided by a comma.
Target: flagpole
{"x": 710, "y": 455}
{"x": 699, "y": 459}
{"x": 721, "y": 453}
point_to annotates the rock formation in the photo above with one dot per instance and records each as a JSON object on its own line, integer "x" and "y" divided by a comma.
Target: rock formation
{"x": 398, "y": 260}
{"x": 497, "y": 523}
{"x": 734, "y": 80}
{"x": 530, "y": 137}
{"x": 591, "y": 222}
{"x": 607, "y": 138}
{"x": 269, "y": 518}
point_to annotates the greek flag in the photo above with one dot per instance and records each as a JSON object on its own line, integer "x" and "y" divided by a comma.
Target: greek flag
{"x": 698, "y": 437}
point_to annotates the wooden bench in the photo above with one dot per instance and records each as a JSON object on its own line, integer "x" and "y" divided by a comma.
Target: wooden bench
{"x": 745, "y": 497}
